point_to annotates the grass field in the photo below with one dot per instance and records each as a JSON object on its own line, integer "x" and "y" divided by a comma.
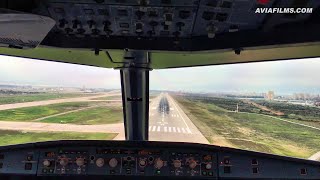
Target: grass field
{"x": 96, "y": 115}
{"x": 10, "y": 99}
{"x": 31, "y": 113}
{"x": 18, "y": 137}
{"x": 251, "y": 131}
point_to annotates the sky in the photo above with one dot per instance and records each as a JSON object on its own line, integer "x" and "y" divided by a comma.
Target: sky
{"x": 284, "y": 77}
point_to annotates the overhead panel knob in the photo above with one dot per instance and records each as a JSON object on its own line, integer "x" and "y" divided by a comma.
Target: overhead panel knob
{"x": 80, "y": 161}
{"x": 158, "y": 163}
{"x": 113, "y": 162}
{"x": 100, "y": 162}
{"x": 192, "y": 164}
{"x": 46, "y": 163}
{"x": 177, "y": 163}
{"x": 64, "y": 161}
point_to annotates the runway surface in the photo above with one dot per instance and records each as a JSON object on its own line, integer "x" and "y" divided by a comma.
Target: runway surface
{"x": 168, "y": 122}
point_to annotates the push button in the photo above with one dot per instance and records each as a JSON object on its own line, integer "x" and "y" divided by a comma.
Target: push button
{"x": 28, "y": 166}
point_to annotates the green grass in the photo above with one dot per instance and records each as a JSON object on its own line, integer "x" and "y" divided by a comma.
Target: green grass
{"x": 10, "y": 99}
{"x": 31, "y": 113}
{"x": 251, "y": 131}
{"x": 96, "y": 115}
{"x": 19, "y": 137}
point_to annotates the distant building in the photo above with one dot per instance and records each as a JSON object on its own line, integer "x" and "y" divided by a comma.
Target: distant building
{"x": 270, "y": 95}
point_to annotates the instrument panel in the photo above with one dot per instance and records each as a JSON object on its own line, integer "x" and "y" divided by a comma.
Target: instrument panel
{"x": 148, "y": 159}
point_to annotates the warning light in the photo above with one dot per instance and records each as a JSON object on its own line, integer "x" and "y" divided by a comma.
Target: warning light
{"x": 263, "y": 2}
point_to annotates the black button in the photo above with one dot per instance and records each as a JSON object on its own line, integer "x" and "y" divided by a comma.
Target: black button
{"x": 1, "y": 165}
{"x": 28, "y": 166}
{"x": 255, "y": 170}
{"x": 227, "y": 169}
{"x": 112, "y": 171}
{"x": 303, "y": 171}
{"x": 254, "y": 162}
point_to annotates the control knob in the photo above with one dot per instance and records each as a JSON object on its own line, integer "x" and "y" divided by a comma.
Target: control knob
{"x": 142, "y": 162}
{"x": 177, "y": 163}
{"x": 100, "y": 162}
{"x": 192, "y": 164}
{"x": 64, "y": 161}
{"x": 208, "y": 166}
{"x": 46, "y": 163}
{"x": 80, "y": 161}
{"x": 113, "y": 162}
{"x": 158, "y": 163}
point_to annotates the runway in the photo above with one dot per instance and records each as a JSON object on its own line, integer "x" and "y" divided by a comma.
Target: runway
{"x": 168, "y": 122}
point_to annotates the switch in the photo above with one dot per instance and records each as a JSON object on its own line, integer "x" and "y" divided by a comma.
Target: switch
{"x": 139, "y": 27}
{"x": 180, "y": 25}
{"x": 91, "y": 23}
{"x": 75, "y": 24}
{"x": 303, "y": 171}
{"x": 255, "y": 170}
{"x": 28, "y": 166}
{"x": 227, "y": 169}
{"x": 211, "y": 30}
{"x": 254, "y": 162}
{"x": 168, "y": 18}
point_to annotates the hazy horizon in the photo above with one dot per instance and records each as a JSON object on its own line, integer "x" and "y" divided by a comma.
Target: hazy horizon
{"x": 283, "y": 77}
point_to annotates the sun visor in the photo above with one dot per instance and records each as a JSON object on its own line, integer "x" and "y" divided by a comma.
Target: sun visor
{"x": 21, "y": 30}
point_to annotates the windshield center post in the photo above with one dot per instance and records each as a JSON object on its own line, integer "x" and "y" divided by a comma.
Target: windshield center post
{"x": 135, "y": 94}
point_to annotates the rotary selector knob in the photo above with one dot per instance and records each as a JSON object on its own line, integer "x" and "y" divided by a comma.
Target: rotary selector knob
{"x": 142, "y": 162}
{"x": 46, "y": 163}
{"x": 177, "y": 163}
{"x": 192, "y": 164}
{"x": 113, "y": 162}
{"x": 158, "y": 163}
{"x": 80, "y": 161}
{"x": 64, "y": 161}
{"x": 100, "y": 162}
{"x": 208, "y": 166}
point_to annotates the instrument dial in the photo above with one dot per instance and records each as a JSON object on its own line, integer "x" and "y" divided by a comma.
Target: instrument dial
{"x": 100, "y": 162}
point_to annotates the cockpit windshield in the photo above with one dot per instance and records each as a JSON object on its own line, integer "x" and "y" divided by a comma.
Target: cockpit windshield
{"x": 271, "y": 107}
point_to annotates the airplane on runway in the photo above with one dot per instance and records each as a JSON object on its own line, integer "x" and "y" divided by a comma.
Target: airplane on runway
{"x": 135, "y": 37}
